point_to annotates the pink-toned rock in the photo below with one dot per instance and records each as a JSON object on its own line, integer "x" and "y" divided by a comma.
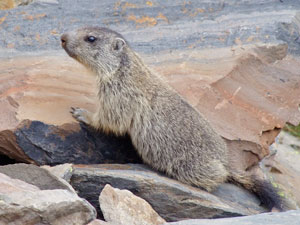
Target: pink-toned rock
{"x": 9, "y": 185}
{"x": 36, "y": 94}
{"x": 242, "y": 94}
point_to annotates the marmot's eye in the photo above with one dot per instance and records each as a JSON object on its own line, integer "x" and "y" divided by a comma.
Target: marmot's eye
{"x": 91, "y": 39}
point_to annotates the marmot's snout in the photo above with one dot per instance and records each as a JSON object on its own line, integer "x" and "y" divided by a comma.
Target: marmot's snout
{"x": 64, "y": 39}
{"x": 66, "y": 44}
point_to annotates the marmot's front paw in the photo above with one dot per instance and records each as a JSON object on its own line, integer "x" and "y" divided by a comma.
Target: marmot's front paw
{"x": 81, "y": 115}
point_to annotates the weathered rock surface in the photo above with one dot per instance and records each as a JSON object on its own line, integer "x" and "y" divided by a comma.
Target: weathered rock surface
{"x": 171, "y": 199}
{"x": 284, "y": 167}
{"x": 23, "y": 203}
{"x": 124, "y": 208}
{"x": 290, "y": 218}
{"x": 37, "y": 176}
{"x": 63, "y": 171}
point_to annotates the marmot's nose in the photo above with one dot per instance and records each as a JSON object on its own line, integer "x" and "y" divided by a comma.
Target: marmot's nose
{"x": 64, "y": 39}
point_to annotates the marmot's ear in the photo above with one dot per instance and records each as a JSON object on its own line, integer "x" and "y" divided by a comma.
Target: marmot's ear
{"x": 119, "y": 44}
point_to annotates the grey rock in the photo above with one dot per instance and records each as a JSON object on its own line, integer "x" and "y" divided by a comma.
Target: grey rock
{"x": 171, "y": 199}
{"x": 37, "y": 176}
{"x": 290, "y": 218}
{"x": 63, "y": 171}
{"x": 23, "y": 203}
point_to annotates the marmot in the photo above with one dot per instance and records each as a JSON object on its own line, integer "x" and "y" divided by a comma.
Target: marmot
{"x": 167, "y": 132}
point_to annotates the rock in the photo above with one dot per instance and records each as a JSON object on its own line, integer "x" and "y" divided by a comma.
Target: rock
{"x": 63, "y": 171}
{"x": 35, "y": 123}
{"x": 290, "y": 217}
{"x": 124, "y": 208}
{"x": 36, "y": 176}
{"x": 283, "y": 167}
{"x": 99, "y": 222}
{"x": 23, "y": 203}
{"x": 171, "y": 199}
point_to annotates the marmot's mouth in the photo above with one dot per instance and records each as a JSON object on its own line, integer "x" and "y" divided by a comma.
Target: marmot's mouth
{"x": 71, "y": 54}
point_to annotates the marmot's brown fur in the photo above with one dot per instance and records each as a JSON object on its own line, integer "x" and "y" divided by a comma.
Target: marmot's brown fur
{"x": 168, "y": 133}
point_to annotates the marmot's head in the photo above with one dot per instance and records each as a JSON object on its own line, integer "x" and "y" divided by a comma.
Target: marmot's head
{"x": 100, "y": 49}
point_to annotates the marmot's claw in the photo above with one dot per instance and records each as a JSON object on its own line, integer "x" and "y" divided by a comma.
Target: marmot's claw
{"x": 79, "y": 114}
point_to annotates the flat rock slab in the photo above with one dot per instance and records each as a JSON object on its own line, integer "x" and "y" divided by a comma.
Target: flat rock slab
{"x": 36, "y": 176}
{"x": 171, "y": 199}
{"x": 290, "y": 218}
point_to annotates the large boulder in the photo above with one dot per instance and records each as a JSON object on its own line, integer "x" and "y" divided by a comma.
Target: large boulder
{"x": 171, "y": 199}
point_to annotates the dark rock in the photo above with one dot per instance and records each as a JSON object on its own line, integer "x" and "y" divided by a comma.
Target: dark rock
{"x": 52, "y": 145}
{"x": 4, "y": 160}
{"x": 171, "y": 199}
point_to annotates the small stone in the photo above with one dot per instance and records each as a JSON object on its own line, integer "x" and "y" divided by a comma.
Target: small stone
{"x": 124, "y": 208}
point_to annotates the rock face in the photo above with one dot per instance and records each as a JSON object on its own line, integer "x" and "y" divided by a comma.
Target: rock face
{"x": 290, "y": 217}
{"x": 23, "y": 203}
{"x": 124, "y": 208}
{"x": 171, "y": 199}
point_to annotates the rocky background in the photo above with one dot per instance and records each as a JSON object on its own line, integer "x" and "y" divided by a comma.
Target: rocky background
{"x": 237, "y": 62}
